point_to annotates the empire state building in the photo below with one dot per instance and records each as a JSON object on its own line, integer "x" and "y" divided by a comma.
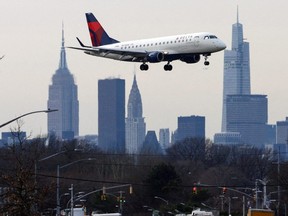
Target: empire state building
{"x": 63, "y": 95}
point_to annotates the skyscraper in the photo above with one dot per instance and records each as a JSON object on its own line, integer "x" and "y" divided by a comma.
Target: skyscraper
{"x": 135, "y": 125}
{"x": 282, "y": 132}
{"x": 247, "y": 114}
{"x": 164, "y": 138}
{"x": 151, "y": 144}
{"x": 111, "y": 115}
{"x": 191, "y": 127}
{"x": 242, "y": 112}
{"x": 63, "y": 96}
{"x": 236, "y": 69}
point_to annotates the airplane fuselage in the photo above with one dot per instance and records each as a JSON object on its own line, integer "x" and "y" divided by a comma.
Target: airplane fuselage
{"x": 186, "y": 47}
{"x": 173, "y": 47}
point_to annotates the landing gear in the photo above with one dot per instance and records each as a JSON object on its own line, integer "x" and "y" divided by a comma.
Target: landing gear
{"x": 206, "y": 62}
{"x": 144, "y": 67}
{"x": 168, "y": 67}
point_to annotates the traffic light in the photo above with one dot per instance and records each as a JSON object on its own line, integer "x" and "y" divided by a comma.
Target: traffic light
{"x": 224, "y": 190}
{"x": 194, "y": 190}
{"x": 103, "y": 197}
{"x": 121, "y": 199}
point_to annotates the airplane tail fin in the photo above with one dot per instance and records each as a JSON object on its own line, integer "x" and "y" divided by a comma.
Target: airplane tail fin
{"x": 98, "y": 35}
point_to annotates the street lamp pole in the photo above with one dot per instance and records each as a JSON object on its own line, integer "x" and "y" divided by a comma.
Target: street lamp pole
{"x": 72, "y": 201}
{"x": 157, "y": 197}
{"x": 58, "y": 182}
{"x": 30, "y": 113}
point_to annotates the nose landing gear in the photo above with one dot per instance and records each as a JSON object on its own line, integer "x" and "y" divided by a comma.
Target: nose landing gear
{"x": 206, "y": 62}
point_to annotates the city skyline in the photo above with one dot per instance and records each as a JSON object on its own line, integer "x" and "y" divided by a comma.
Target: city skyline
{"x": 30, "y": 43}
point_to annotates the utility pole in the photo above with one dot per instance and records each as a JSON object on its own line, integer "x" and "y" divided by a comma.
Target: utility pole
{"x": 278, "y": 188}
{"x": 256, "y": 193}
{"x": 72, "y": 201}
{"x": 121, "y": 202}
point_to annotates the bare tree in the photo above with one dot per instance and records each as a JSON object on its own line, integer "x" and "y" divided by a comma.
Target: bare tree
{"x": 20, "y": 193}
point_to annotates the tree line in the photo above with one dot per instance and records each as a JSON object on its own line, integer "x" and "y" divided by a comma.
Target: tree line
{"x": 28, "y": 183}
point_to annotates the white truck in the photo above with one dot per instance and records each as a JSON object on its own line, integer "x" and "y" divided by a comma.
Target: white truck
{"x": 107, "y": 214}
{"x": 198, "y": 212}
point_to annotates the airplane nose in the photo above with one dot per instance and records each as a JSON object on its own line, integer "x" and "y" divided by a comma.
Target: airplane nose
{"x": 222, "y": 45}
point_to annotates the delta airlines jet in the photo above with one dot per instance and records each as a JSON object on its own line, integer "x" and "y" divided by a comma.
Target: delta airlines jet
{"x": 187, "y": 47}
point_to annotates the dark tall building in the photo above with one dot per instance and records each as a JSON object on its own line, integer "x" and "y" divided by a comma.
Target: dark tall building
{"x": 135, "y": 125}
{"x": 63, "y": 96}
{"x": 190, "y": 127}
{"x": 111, "y": 115}
{"x": 247, "y": 114}
{"x": 151, "y": 144}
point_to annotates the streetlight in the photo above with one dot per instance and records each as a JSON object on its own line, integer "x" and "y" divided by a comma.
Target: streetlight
{"x": 264, "y": 182}
{"x": 58, "y": 182}
{"x": 30, "y": 113}
{"x": 50, "y": 156}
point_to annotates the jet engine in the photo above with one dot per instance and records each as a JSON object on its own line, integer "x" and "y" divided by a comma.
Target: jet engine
{"x": 190, "y": 59}
{"x": 154, "y": 57}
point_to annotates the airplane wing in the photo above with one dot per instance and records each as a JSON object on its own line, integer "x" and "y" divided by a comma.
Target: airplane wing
{"x": 136, "y": 56}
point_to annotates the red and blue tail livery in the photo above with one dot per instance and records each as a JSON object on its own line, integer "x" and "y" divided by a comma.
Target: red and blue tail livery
{"x": 98, "y": 35}
{"x": 187, "y": 48}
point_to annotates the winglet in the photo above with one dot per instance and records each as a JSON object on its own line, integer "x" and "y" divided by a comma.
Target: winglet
{"x": 98, "y": 35}
{"x": 81, "y": 44}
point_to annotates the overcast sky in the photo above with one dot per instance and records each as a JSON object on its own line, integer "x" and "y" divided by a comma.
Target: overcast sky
{"x": 30, "y": 39}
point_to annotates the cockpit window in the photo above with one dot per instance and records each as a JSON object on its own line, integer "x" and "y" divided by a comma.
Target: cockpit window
{"x": 210, "y": 37}
{"x": 213, "y": 37}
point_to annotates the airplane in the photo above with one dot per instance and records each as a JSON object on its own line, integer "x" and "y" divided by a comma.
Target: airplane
{"x": 186, "y": 47}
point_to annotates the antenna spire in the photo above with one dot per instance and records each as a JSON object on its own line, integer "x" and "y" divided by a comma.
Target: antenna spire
{"x": 63, "y": 63}
{"x": 237, "y": 14}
